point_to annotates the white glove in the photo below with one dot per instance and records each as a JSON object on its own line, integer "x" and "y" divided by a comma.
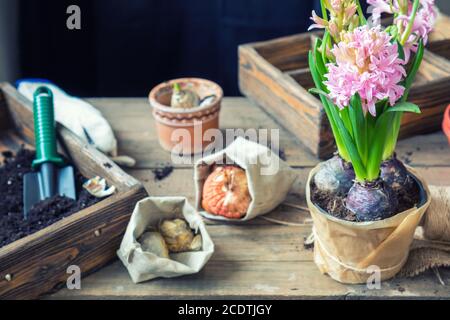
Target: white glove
{"x": 77, "y": 115}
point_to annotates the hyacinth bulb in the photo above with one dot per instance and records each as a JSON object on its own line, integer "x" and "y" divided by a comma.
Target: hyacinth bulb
{"x": 226, "y": 193}
{"x": 178, "y": 235}
{"x": 372, "y": 201}
{"x": 153, "y": 242}
{"x": 184, "y": 98}
{"x": 395, "y": 175}
{"x": 335, "y": 176}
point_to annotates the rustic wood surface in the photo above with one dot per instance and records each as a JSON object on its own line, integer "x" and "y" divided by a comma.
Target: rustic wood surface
{"x": 264, "y": 258}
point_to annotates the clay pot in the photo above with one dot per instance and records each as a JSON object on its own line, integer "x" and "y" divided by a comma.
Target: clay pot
{"x": 446, "y": 123}
{"x": 182, "y": 130}
{"x": 351, "y": 252}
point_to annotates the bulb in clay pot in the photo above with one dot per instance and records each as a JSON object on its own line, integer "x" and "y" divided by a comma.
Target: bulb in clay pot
{"x": 226, "y": 193}
{"x": 335, "y": 176}
{"x": 184, "y": 98}
{"x": 371, "y": 201}
{"x": 395, "y": 175}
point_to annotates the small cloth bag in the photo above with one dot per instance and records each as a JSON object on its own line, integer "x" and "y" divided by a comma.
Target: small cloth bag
{"x": 269, "y": 177}
{"x": 149, "y": 213}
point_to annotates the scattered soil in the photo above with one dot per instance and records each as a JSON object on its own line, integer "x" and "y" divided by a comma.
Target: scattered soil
{"x": 406, "y": 158}
{"x": 335, "y": 204}
{"x": 279, "y": 151}
{"x": 306, "y": 245}
{"x": 162, "y": 173}
{"x": 107, "y": 165}
{"x": 12, "y": 224}
{"x": 282, "y": 154}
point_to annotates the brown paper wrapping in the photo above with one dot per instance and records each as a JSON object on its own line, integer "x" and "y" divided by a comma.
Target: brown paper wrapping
{"x": 346, "y": 250}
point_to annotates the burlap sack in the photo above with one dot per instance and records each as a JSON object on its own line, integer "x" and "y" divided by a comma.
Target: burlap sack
{"x": 142, "y": 265}
{"x": 347, "y": 251}
{"x": 269, "y": 177}
{"x": 431, "y": 246}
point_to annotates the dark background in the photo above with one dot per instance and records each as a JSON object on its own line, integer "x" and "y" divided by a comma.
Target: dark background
{"x": 126, "y": 47}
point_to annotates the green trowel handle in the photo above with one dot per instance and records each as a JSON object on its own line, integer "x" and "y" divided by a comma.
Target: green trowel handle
{"x": 45, "y": 128}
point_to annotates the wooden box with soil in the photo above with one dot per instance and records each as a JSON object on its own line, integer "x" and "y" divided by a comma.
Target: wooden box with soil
{"x": 35, "y": 255}
{"x": 276, "y": 76}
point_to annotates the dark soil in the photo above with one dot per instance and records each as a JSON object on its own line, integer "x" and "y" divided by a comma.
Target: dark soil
{"x": 12, "y": 224}
{"x": 335, "y": 204}
{"x": 162, "y": 173}
{"x": 107, "y": 165}
{"x": 282, "y": 154}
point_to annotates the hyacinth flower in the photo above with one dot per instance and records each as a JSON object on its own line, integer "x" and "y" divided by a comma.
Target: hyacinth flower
{"x": 363, "y": 87}
{"x": 338, "y": 16}
{"x": 413, "y": 21}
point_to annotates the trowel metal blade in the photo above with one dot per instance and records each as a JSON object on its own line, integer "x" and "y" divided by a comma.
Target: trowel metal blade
{"x": 33, "y": 190}
{"x": 66, "y": 183}
{"x": 31, "y": 194}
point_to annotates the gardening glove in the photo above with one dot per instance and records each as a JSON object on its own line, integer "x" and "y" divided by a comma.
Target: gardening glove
{"x": 80, "y": 117}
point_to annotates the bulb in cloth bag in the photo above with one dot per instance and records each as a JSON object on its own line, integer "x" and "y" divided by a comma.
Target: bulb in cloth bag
{"x": 153, "y": 242}
{"x": 179, "y": 236}
{"x": 184, "y": 99}
{"x": 226, "y": 193}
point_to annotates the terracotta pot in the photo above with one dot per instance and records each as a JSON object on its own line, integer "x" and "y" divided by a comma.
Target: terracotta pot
{"x": 446, "y": 123}
{"x": 182, "y": 130}
{"x": 351, "y": 252}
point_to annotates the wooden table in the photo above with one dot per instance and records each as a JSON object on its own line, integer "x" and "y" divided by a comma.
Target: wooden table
{"x": 261, "y": 259}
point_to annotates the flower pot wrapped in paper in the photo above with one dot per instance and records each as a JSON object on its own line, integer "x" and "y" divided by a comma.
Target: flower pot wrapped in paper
{"x": 348, "y": 251}
{"x": 363, "y": 75}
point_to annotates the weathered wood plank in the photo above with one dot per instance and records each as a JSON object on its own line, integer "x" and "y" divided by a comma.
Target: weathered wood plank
{"x": 137, "y": 136}
{"x": 439, "y": 40}
{"x": 251, "y": 280}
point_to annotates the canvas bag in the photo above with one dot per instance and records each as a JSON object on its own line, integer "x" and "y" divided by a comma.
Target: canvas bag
{"x": 269, "y": 177}
{"x": 149, "y": 212}
{"x": 345, "y": 250}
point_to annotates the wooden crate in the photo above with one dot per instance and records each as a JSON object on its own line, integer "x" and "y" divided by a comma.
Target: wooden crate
{"x": 89, "y": 239}
{"x": 439, "y": 42}
{"x": 275, "y": 75}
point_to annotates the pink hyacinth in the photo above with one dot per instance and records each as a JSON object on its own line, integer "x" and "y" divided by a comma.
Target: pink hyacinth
{"x": 378, "y": 7}
{"x": 367, "y": 63}
{"x": 422, "y": 26}
{"x": 423, "y": 21}
{"x": 343, "y": 16}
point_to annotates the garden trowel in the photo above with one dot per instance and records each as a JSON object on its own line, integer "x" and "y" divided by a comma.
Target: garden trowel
{"x": 51, "y": 177}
